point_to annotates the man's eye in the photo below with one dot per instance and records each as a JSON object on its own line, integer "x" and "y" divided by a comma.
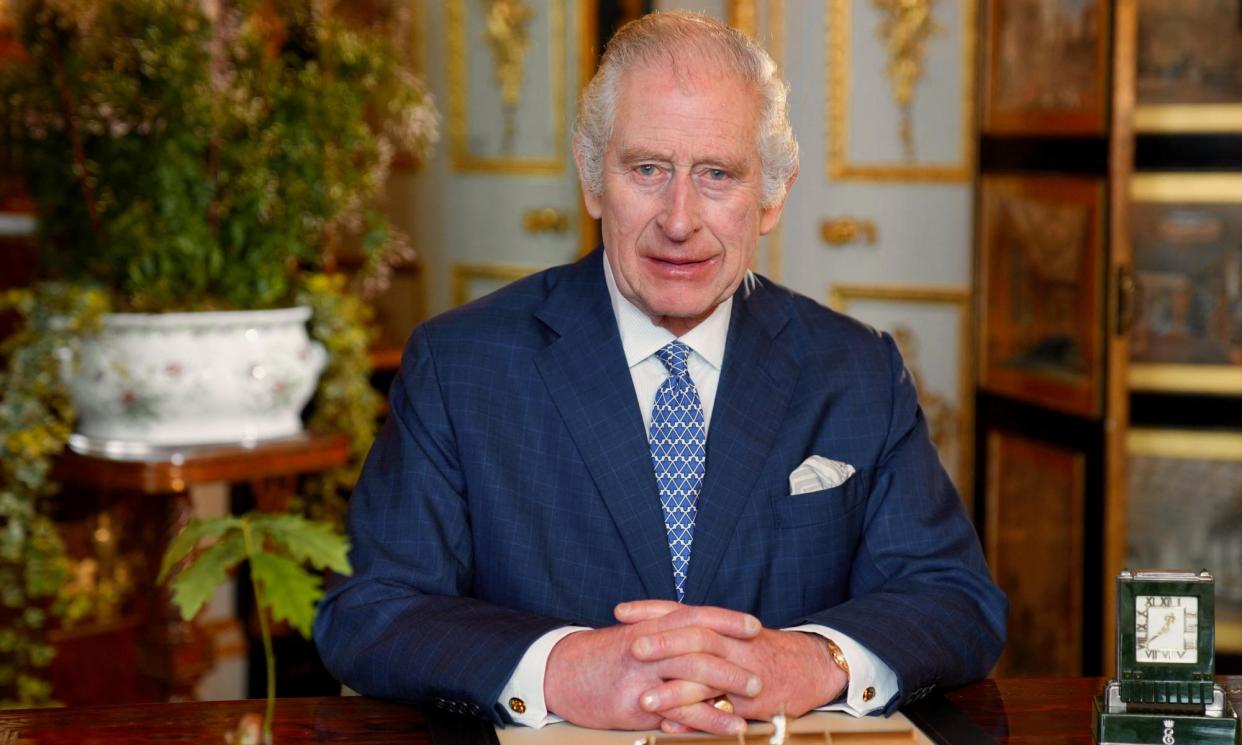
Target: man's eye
{"x": 717, "y": 174}
{"x": 646, "y": 169}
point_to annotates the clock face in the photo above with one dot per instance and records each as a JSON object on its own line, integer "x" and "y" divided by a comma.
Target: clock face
{"x": 1166, "y": 628}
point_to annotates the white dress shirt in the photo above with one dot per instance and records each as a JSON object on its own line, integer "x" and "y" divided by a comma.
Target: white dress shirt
{"x": 641, "y": 339}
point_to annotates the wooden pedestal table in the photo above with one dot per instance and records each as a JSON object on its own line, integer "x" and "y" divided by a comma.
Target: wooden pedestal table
{"x": 171, "y": 654}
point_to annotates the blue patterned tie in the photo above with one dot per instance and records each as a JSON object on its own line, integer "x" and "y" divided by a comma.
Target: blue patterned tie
{"x": 678, "y": 452}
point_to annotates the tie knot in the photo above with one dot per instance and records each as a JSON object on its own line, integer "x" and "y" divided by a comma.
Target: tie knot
{"x": 674, "y": 356}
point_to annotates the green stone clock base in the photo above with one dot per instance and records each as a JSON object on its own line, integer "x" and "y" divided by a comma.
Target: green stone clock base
{"x": 1118, "y": 725}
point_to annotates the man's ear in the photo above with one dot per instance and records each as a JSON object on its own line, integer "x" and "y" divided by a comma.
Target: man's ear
{"x": 593, "y": 204}
{"x": 771, "y": 214}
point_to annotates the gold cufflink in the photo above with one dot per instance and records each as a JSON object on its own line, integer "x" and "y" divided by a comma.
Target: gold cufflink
{"x": 517, "y": 705}
{"x": 868, "y": 693}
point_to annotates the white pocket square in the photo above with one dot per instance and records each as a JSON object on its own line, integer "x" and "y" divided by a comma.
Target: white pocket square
{"x": 818, "y": 472}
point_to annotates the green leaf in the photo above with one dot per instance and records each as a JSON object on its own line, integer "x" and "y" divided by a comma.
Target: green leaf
{"x": 188, "y": 538}
{"x": 289, "y": 591}
{"x": 310, "y": 541}
{"x": 205, "y": 572}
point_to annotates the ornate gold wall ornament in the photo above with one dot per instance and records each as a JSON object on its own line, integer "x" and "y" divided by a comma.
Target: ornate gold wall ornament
{"x": 846, "y": 230}
{"x": 837, "y": 92}
{"x": 456, "y": 65}
{"x": 941, "y": 415}
{"x": 507, "y": 34}
{"x": 545, "y": 220}
{"x": 954, "y": 426}
{"x": 905, "y": 28}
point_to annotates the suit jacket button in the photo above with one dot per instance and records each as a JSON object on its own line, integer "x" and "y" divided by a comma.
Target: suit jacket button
{"x": 868, "y": 693}
{"x": 517, "y": 705}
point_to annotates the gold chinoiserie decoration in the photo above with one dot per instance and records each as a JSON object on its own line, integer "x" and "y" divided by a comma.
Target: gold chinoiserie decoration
{"x": 905, "y": 28}
{"x": 503, "y": 156}
{"x": 951, "y": 426}
{"x": 507, "y": 35}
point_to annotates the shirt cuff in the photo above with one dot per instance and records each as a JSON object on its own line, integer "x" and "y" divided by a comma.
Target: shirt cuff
{"x": 867, "y": 673}
{"x": 522, "y": 696}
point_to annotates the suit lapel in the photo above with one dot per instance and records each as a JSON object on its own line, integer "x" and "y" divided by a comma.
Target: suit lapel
{"x": 587, "y": 377}
{"x": 758, "y": 378}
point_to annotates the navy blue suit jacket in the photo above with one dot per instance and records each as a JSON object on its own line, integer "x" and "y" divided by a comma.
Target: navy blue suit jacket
{"x": 511, "y": 492}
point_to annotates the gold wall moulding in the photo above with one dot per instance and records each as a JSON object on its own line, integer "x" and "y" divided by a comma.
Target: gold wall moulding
{"x": 846, "y": 230}
{"x": 955, "y": 425}
{"x": 744, "y": 15}
{"x": 839, "y": 87}
{"x": 457, "y": 65}
{"x": 463, "y": 274}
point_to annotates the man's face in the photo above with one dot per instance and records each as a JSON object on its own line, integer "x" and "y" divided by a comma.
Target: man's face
{"x": 682, "y": 191}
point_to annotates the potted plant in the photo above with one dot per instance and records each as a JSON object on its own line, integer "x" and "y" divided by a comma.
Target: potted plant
{"x": 189, "y": 160}
{"x": 277, "y": 548}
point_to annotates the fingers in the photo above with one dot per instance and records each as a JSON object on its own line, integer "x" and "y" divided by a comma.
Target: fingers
{"x": 661, "y": 645}
{"x": 709, "y": 670}
{"x": 673, "y": 694}
{"x": 666, "y": 614}
{"x": 645, "y": 610}
{"x": 702, "y": 716}
{"x": 673, "y": 728}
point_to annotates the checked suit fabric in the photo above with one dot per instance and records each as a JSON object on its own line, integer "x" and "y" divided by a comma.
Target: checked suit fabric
{"x": 678, "y": 454}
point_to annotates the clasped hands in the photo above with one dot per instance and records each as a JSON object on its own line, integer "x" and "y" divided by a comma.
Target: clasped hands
{"x": 665, "y": 662}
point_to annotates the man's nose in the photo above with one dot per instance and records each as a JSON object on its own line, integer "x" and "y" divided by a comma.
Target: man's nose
{"x": 680, "y": 217}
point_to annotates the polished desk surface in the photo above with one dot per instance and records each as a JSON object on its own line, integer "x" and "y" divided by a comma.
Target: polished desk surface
{"x": 1007, "y": 711}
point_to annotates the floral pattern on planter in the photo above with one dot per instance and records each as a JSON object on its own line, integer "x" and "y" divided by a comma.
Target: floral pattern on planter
{"x": 195, "y": 378}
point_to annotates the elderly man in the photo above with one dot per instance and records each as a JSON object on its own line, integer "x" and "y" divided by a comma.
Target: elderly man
{"x": 651, "y": 488}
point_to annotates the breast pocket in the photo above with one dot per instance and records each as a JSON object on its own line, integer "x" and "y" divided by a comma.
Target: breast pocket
{"x": 823, "y": 506}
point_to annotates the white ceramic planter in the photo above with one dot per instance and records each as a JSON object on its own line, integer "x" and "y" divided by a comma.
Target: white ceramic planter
{"x": 195, "y": 378}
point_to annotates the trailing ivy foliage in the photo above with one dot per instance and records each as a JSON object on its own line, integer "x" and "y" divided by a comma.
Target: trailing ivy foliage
{"x": 36, "y": 418}
{"x": 345, "y": 401}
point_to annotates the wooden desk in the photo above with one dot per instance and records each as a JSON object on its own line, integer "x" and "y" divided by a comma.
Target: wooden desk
{"x": 1033, "y": 711}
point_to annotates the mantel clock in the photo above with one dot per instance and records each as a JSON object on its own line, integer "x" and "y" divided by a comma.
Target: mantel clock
{"x": 1166, "y": 657}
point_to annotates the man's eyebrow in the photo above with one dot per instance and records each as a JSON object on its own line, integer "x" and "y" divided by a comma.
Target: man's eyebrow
{"x": 635, "y": 154}
{"x": 640, "y": 154}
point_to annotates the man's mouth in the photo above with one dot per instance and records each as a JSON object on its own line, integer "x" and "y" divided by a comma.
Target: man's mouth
{"x": 680, "y": 260}
{"x": 681, "y": 267}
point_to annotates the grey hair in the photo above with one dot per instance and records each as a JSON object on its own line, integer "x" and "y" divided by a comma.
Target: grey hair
{"x": 663, "y": 39}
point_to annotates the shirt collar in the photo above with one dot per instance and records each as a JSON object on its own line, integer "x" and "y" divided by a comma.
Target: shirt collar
{"x": 640, "y": 338}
